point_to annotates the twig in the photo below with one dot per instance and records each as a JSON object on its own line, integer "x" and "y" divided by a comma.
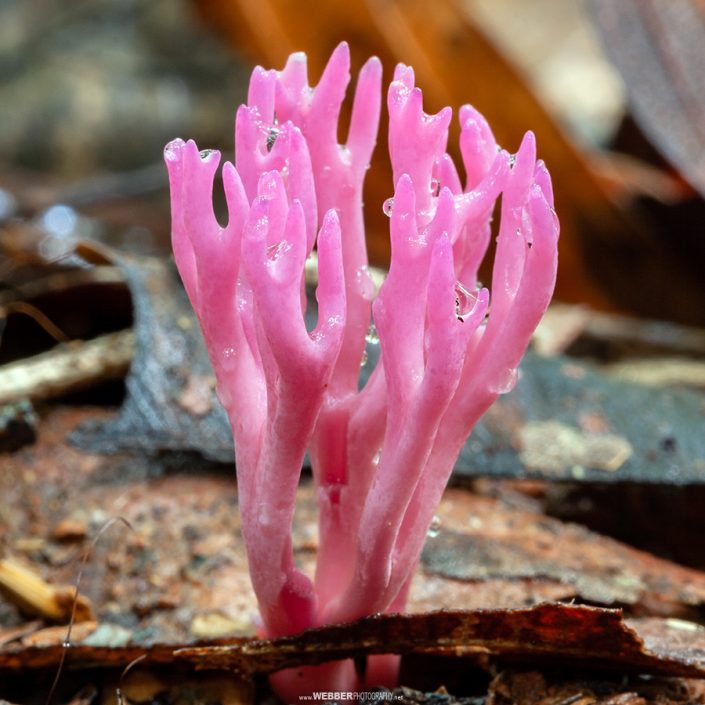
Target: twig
{"x": 67, "y": 368}
{"x": 30, "y": 591}
{"x": 40, "y": 318}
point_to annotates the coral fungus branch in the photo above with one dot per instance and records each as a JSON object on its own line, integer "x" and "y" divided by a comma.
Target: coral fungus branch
{"x": 381, "y": 455}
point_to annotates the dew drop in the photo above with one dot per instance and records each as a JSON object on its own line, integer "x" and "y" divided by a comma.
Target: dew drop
{"x": 364, "y": 359}
{"x": 377, "y": 457}
{"x": 435, "y": 528}
{"x": 275, "y": 251}
{"x": 464, "y": 300}
{"x": 66, "y": 644}
{"x": 512, "y": 160}
{"x": 387, "y": 207}
{"x": 527, "y": 228}
{"x": 506, "y": 381}
{"x": 228, "y": 358}
{"x": 206, "y": 153}
{"x": 528, "y": 238}
{"x": 272, "y": 135}
{"x": 372, "y": 336}
{"x": 365, "y": 285}
{"x": 345, "y": 154}
{"x": 435, "y": 187}
{"x": 171, "y": 151}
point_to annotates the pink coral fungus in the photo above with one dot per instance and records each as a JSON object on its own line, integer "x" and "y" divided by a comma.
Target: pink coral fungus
{"x": 381, "y": 456}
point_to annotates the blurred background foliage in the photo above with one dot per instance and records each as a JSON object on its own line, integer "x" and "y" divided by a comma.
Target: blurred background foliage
{"x": 91, "y": 91}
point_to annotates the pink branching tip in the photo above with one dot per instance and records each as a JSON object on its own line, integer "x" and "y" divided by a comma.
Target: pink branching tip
{"x": 416, "y": 140}
{"x": 381, "y": 455}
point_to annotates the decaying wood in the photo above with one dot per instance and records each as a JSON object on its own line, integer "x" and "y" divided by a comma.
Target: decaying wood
{"x": 10, "y": 634}
{"x": 182, "y": 574}
{"x": 548, "y": 634}
{"x": 534, "y": 688}
{"x": 556, "y": 633}
{"x": 194, "y": 689}
{"x": 184, "y": 561}
{"x": 67, "y": 368}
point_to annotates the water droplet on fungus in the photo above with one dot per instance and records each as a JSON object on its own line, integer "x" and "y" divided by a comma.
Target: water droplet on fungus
{"x": 272, "y": 135}
{"x": 228, "y": 358}
{"x": 507, "y": 381}
{"x": 365, "y": 285}
{"x": 275, "y": 251}
{"x": 464, "y": 301}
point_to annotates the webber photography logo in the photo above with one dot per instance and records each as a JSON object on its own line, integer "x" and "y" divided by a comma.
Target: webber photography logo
{"x": 370, "y": 696}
